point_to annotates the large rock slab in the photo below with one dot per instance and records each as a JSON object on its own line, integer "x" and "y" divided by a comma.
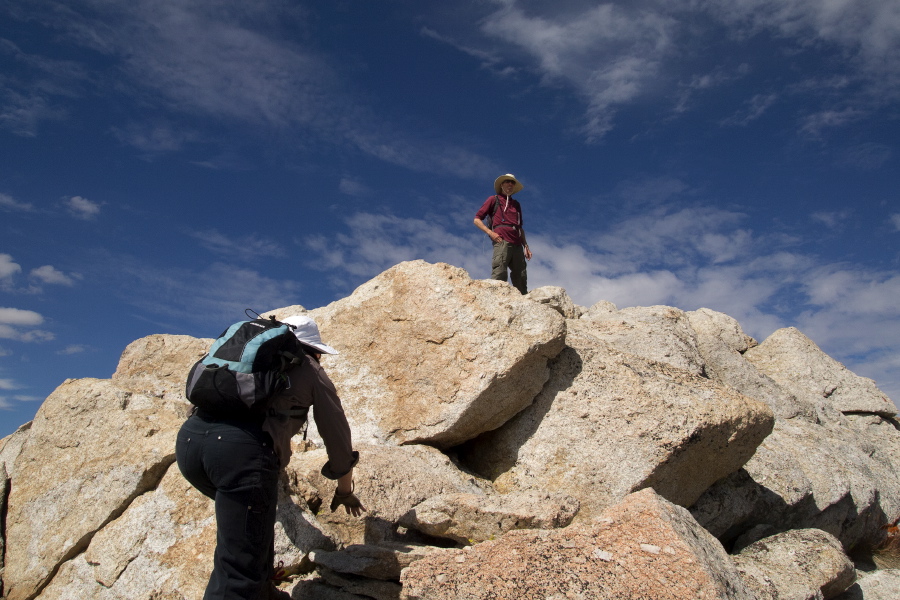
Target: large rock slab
{"x": 807, "y": 476}
{"x": 658, "y": 333}
{"x": 473, "y": 518}
{"x": 10, "y": 448}
{"x": 803, "y": 564}
{"x": 92, "y": 449}
{"x": 157, "y": 365}
{"x": 162, "y": 543}
{"x": 879, "y": 585}
{"x": 556, "y": 298}
{"x": 643, "y": 548}
{"x": 382, "y": 562}
{"x": 390, "y": 481}
{"x": 609, "y": 423}
{"x": 429, "y": 355}
{"x": 799, "y": 366}
{"x": 722, "y": 344}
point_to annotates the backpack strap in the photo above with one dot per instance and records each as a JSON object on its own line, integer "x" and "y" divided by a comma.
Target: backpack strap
{"x": 494, "y": 208}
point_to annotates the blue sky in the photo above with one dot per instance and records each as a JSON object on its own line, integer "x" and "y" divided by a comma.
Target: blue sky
{"x": 168, "y": 163}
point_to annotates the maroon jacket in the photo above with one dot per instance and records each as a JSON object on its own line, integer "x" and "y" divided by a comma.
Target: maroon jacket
{"x": 507, "y": 218}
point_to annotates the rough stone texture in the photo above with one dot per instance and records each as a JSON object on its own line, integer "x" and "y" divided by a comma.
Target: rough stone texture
{"x": 880, "y": 585}
{"x": 556, "y": 298}
{"x": 162, "y": 542}
{"x": 643, "y": 548}
{"x": 156, "y": 365}
{"x": 383, "y": 562}
{"x": 639, "y": 398}
{"x": 658, "y": 333}
{"x": 804, "y": 476}
{"x": 609, "y": 423}
{"x": 10, "y": 448}
{"x": 473, "y": 518}
{"x": 363, "y": 586}
{"x": 722, "y": 344}
{"x": 317, "y": 590}
{"x": 93, "y": 448}
{"x": 821, "y": 468}
{"x": 800, "y": 367}
{"x": 803, "y": 564}
{"x": 390, "y": 481}
{"x": 429, "y": 355}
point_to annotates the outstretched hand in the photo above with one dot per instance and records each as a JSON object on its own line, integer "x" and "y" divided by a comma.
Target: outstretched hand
{"x": 350, "y": 502}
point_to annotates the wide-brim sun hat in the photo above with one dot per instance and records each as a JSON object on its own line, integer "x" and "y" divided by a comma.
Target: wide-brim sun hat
{"x": 502, "y": 178}
{"x": 307, "y": 333}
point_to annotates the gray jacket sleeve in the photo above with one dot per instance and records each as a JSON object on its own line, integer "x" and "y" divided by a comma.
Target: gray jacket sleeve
{"x": 313, "y": 387}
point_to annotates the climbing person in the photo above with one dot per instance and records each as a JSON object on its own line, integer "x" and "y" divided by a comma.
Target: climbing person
{"x": 504, "y": 227}
{"x": 236, "y": 462}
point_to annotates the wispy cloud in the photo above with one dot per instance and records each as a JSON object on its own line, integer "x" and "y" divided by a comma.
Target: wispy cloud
{"x": 233, "y": 65}
{"x": 700, "y": 256}
{"x": 215, "y": 294}
{"x": 617, "y": 54}
{"x": 73, "y": 349}
{"x": 244, "y": 248}
{"x": 8, "y": 384}
{"x": 895, "y": 221}
{"x": 82, "y": 208}
{"x": 352, "y": 187}
{"x": 835, "y": 220}
{"x": 49, "y": 274}
{"x": 8, "y": 270}
{"x": 9, "y": 203}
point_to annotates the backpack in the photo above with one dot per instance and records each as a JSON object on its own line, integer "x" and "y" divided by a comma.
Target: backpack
{"x": 245, "y": 367}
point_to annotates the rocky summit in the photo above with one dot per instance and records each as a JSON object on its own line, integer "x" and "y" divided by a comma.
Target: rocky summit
{"x": 512, "y": 446}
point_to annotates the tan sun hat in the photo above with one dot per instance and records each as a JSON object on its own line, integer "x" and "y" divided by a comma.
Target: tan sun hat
{"x": 502, "y": 178}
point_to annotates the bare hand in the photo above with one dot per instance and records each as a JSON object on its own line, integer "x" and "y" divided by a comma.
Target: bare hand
{"x": 350, "y": 502}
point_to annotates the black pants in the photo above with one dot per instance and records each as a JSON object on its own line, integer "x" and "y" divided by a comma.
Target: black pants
{"x": 235, "y": 465}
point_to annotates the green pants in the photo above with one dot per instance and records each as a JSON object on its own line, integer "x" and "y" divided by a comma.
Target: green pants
{"x": 510, "y": 257}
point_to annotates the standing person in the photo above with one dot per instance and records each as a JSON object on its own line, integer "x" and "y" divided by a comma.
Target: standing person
{"x": 510, "y": 247}
{"x": 236, "y": 462}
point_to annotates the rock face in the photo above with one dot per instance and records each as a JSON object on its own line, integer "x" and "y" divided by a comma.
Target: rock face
{"x": 434, "y": 357}
{"x": 512, "y": 447}
{"x": 631, "y": 552}
{"x": 610, "y": 422}
{"x": 798, "y": 564}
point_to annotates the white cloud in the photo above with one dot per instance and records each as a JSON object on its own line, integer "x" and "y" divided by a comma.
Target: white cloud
{"x": 244, "y": 248}
{"x": 8, "y": 269}
{"x": 15, "y": 324}
{"x": 865, "y": 157}
{"x": 7, "y": 202}
{"x": 701, "y": 256}
{"x": 17, "y": 316}
{"x": 214, "y": 294}
{"x": 895, "y": 221}
{"x": 611, "y": 54}
{"x": 833, "y": 219}
{"x": 51, "y": 275}
{"x": 82, "y": 207}
{"x": 352, "y": 187}
{"x": 8, "y": 384}
{"x": 753, "y": 109}
{"x": 73, "y": 349}
{"x": 156, "y": 137}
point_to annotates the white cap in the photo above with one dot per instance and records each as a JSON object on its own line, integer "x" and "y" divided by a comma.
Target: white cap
{"x": 307, "y": 332}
